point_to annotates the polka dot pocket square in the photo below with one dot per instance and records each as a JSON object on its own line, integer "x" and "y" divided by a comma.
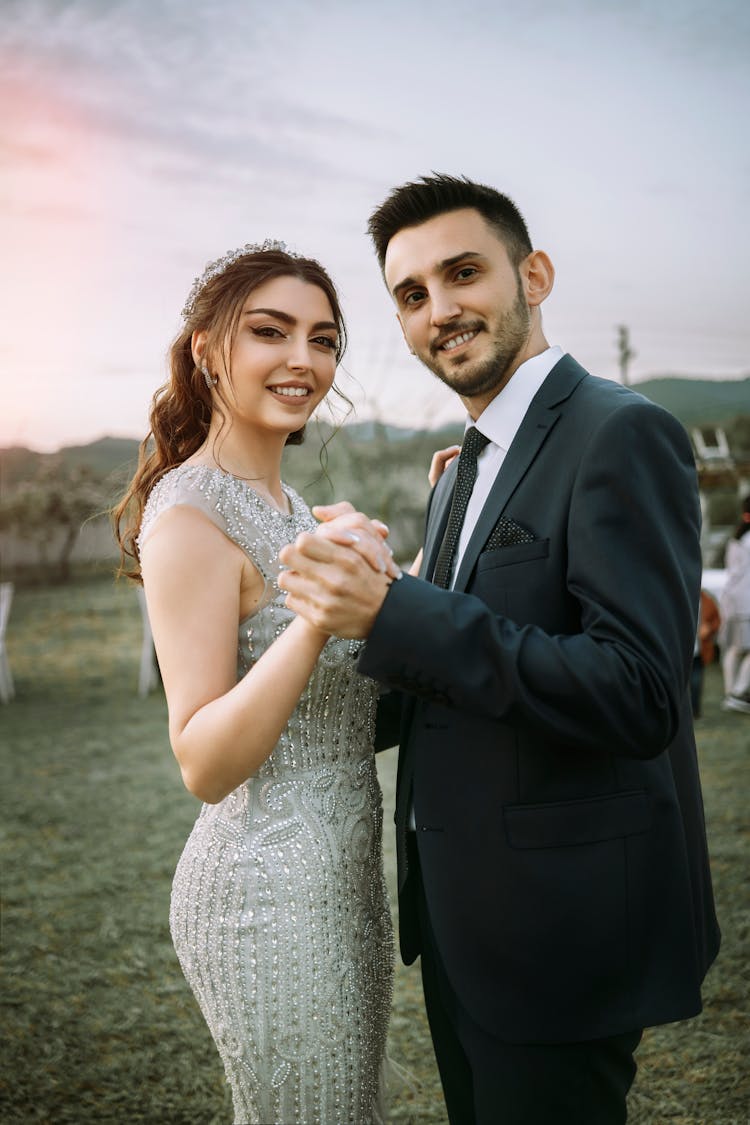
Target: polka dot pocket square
{"x": 508, "y": 533}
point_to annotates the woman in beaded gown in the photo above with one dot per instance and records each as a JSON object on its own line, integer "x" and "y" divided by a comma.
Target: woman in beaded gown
{"x": 279, "y": 913}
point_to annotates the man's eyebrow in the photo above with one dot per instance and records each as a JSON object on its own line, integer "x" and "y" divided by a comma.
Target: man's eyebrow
{"x": 287, "y": 318}
{"x": 439, "y": 268}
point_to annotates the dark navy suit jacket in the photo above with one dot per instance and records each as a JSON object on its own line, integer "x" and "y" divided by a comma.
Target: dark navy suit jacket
{"x": 546, "y": 732}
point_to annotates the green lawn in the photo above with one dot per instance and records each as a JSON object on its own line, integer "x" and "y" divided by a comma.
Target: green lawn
{"x": 99, "y": 1025}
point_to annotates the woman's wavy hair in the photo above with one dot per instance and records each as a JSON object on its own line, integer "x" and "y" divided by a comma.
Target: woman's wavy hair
{"x": 182, "y": 408}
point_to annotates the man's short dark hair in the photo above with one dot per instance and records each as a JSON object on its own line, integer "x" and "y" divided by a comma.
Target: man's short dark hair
{"x": 423, "y": 199}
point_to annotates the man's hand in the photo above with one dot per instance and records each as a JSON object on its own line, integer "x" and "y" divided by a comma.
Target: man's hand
{"x": 338, "y": 577}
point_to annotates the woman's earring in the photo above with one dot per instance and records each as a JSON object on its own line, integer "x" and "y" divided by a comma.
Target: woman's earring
{"x": 211, "y": 380}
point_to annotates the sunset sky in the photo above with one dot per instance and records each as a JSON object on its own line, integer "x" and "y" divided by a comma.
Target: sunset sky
{"x": 140, "y": 138}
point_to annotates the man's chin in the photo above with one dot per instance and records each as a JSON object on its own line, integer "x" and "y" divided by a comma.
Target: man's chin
{"x": 469, "y": 382}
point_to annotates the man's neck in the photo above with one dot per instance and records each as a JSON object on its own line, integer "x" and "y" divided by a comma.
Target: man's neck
{"x": 535, "y": 345}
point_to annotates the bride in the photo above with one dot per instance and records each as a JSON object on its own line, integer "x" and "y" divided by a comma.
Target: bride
{"x": 279, "y": 914}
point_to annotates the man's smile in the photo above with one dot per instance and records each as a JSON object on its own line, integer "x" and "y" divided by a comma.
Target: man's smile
{"x": 456, "y": 340}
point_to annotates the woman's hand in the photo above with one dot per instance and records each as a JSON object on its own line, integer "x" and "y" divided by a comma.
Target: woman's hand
{"x": 342, "y": 524}
{"x": 441, "y": 459}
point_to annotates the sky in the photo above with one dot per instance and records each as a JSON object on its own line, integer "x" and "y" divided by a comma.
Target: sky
{"x": 140, "y": 139}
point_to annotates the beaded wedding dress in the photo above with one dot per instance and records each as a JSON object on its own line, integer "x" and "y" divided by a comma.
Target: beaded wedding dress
{"x": 279, "y": 913}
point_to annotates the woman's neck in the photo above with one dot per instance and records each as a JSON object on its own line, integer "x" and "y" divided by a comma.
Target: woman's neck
{"x": 255, "y": 459}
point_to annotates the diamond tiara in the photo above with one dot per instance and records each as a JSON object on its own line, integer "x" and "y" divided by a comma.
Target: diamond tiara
{"x": 213, "y": 269}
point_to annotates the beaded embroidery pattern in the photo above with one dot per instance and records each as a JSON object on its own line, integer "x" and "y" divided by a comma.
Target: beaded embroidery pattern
{"x": 279, "y": 913}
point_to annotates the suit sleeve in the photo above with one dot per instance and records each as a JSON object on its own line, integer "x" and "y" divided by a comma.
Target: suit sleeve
{"x": 633, "y": 566}
{"x": 388, "y": 721}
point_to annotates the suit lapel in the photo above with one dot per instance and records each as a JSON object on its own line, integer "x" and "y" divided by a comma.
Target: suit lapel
{"x": 538, "y": 422}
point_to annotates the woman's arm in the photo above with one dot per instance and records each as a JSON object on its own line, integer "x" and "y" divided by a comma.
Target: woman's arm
{"x": 441, "y": 459}
{"x": 221, "y": 730}
{"x": 199, "y": 586}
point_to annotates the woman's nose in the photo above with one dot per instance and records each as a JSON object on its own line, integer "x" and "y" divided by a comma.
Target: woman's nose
{"x": 299, "y": 356}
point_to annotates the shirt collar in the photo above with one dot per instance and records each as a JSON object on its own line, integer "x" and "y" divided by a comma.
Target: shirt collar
{"x": 501, "y": 419}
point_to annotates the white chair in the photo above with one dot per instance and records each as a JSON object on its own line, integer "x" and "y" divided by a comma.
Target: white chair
{"x": 148, "y": 676}
{"x": 7, "y": 691}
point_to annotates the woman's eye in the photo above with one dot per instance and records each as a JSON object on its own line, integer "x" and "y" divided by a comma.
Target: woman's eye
{"x": 268, "y": 330}
{"x": 325, "y": 341}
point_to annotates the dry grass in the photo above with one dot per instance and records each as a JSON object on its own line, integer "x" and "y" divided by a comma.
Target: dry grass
{"x": 99, "y": 1024}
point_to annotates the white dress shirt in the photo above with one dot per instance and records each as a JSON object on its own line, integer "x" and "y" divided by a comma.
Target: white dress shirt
{"x": 500, "y": 422}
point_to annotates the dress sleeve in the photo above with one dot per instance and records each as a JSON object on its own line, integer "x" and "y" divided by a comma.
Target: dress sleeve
{"x": 171, "y": 492}
{"x": 223, "y": 501}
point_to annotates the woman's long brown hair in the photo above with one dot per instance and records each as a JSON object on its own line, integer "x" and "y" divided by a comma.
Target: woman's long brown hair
{"x": 181, "y": 409}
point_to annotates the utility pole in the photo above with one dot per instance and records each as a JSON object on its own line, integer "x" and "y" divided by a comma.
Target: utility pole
{"x": 625, "y": 352}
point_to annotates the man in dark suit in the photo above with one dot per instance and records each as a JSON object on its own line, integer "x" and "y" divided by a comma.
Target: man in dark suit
{"x": 553, "y": 870}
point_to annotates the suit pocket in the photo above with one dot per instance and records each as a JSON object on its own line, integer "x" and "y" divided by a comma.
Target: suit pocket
{"x": 520, "y": 552}
{"x": 571, "y": 823}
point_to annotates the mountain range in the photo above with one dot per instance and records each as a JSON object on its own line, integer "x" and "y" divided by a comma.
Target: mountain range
{"x": 696, "y": 402}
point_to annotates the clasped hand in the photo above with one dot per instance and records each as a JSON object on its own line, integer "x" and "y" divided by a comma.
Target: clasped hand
{"x": 338, "y": 576}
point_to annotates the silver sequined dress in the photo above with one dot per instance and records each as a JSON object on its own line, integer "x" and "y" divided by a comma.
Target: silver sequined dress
{"x": 279, "y": 913}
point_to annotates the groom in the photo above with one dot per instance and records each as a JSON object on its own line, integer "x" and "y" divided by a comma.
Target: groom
{"x": 553, "y": 871}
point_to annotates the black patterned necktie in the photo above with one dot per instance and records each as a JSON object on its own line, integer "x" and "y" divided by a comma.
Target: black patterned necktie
{"x": 466, "y": 474}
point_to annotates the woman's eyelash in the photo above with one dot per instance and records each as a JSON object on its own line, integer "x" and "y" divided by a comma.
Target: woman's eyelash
{"x": 271, "y": 332}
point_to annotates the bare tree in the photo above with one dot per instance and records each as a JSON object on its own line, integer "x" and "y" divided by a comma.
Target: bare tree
{"x": 50, "y": 510}
{"x": 624, "y": 352}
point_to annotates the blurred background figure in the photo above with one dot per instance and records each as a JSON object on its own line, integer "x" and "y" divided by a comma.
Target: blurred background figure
{"x": 734, "y": 635}
{"x": 709, "y": 620}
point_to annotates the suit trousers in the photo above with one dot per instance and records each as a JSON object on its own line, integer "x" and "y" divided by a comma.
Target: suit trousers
{"x": 486, "y": 1080}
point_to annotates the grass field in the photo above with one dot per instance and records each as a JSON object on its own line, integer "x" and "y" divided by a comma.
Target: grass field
{"x": 99, "y": 1025}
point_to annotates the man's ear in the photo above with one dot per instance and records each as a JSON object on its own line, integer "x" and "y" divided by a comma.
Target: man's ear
{"x": 538, "y": 276}
{"x": 403, "y": 333}
{"x": 198, "y": 346}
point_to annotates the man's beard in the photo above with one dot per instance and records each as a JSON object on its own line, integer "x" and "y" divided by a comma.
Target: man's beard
{"x": 472, "y": 380}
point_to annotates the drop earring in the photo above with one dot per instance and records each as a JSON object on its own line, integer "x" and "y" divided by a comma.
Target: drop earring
{"x": 211, "y": 380}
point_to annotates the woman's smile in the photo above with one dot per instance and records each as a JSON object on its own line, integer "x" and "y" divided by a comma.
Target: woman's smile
{"x": 290, "y": 390}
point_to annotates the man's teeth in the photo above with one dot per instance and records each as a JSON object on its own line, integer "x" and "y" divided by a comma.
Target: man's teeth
{"x": 454, "y": 341}
{"x": 291, "y": 392}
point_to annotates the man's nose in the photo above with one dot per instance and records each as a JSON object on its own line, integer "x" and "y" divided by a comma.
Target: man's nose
{"x": 445, "y": 308}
